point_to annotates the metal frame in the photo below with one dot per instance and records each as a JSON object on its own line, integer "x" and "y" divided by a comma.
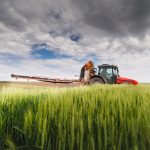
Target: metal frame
{"x": 45, "y": 79}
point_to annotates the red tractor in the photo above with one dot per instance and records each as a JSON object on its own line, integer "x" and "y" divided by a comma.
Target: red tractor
{"x": 107, "y": 74}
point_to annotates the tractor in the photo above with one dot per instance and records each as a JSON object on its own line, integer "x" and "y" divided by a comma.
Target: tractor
{"x": 107, "y": 74}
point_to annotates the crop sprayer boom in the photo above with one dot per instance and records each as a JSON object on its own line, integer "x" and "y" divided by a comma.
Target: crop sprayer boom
{"x": 45, "y": 79}
{"x": 107, "y": 74}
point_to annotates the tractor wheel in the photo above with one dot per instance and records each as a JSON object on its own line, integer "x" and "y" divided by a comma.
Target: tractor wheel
{"x": 96, "y": 80}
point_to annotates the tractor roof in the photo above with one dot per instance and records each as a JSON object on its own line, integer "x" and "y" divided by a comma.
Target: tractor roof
{"x": 107, "y": 65}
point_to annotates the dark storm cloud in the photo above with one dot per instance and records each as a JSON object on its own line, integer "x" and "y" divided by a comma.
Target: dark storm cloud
{"x": 139, "y": 16}
{"x": 10, "y": 18}
{"x": 114, "y": 17}
{"x": 94, "y": 20}
{"x": 117, "y": 17}
{"x": 18, "y": 15}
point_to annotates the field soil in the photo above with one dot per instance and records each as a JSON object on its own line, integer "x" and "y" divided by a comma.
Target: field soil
{"x": 45, "y": 84}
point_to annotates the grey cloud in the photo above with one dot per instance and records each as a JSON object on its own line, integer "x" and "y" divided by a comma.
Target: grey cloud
{"x": 118, "y": 17}
{"x": 103, "y": 22}
{"x": 10, "y": 18}
{"x": 21, "y": 15}
{"x": 138, "y": 17}
{"x": 92, "y": 19}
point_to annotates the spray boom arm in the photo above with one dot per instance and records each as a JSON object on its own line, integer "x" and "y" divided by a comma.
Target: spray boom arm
{"x": 46, "y": 79}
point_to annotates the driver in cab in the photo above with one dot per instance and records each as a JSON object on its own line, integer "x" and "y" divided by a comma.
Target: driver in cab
{"x": 105, "y": 73}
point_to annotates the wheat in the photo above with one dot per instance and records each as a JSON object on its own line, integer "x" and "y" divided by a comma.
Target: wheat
{"x": 90, "y": 117}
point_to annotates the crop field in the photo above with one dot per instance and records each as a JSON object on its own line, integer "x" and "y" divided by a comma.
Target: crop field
{"x": 98, "y": 117}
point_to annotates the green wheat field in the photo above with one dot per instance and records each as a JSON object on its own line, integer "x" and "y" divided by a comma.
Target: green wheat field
{"x": 98, "y": 117}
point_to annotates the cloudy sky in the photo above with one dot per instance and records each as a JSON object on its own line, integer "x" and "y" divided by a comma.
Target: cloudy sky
{"x": 56, "y": 37}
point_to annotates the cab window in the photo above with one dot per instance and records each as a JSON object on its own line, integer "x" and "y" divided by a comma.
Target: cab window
{"x": 107, "y": 73}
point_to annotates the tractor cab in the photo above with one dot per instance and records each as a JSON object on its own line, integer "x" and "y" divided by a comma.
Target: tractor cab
{"x": 110, "y": 72}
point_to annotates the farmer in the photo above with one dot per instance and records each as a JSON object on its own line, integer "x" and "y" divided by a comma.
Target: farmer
{"x": 104, "y": 72}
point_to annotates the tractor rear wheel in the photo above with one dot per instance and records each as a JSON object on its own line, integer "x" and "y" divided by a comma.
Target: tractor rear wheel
{"x": 96, "y": 80}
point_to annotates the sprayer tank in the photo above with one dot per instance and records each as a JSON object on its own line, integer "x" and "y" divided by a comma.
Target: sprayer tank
{"x": 86, "y": 75}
